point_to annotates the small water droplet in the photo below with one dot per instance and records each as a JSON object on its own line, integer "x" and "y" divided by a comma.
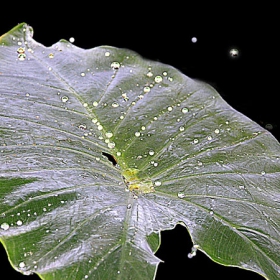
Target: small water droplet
{"x": 19, "y": 222}
{"x": 21, "y": 50}
{"x": 217, "y": 131}
{"x": 21, "y": 265}
{"x": 95, "y": 103}
{"x": 115, "y": 65}
{"x": 157, "y": 183}
{"x": 82, "y": 126}
{"x": 181, "y": 128}
{"x": 169, "y": 108}
{"x": 143, "y": 127}
{"x": 5, "y": 226}
{"x": 111, "y": 145}
{"x": 64, "y": 98}
{"x": 234, "y": 52}
{"x": 129, "y": 206}
{"x": 21, "y": 56}
{"x": 51, "y": 55}
{"x": 181, "y": 195}
{"x": 119, "y": 153}
{"x": 109, "y": 134}
{"x": 137, "y": 133}
{"x": 115, "y": 104}
{"x": 211, "y": 213}
{"x": 158, "y": 79}
{"x": 83, "y": 74}
{"x": 151, "y": 152}
{"x": 147, "y": 89}
{"x": 85, "y": 105}
{"x": 185, "y": 110}
{"x": 209, "y": 138}
{"x": 195, "y": 141}
{"x": 72, "y": 40}
{"x": 263, "y": 173}
{"x": 150, "y": 74}
{"x": 107, "y": 53}
{"x": 99, "y": 127}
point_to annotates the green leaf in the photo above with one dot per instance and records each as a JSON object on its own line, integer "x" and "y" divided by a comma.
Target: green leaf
{"x": 101, "y": 150}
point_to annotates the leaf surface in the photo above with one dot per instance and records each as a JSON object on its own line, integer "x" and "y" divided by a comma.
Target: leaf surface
{"x": 101, "y": 149}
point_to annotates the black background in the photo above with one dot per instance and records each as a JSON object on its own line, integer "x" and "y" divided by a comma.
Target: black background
{"x": 163, "y": 32}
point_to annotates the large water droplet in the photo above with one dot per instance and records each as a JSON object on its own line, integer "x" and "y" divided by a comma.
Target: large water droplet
{"x": 158, "y": 79}
{"x": 5, "y": 226}
{"x": 115, "y": 65}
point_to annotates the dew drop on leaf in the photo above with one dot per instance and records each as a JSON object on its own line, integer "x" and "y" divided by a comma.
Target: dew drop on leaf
{"x": 5, "y": 226}
{"x": 115, "y": 65}
{"x": 158, "y": 79}
{"x": 64, "y": 98}
{"x": 185, "y": 110}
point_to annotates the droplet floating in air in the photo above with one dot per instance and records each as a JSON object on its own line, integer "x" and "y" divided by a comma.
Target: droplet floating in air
{"x": 234, "y": 52}
{"x": 72, "y": 40}
{"x": 194, "y": 39}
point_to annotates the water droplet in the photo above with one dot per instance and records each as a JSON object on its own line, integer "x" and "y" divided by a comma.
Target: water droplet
{"x": 157, "y": 183}
{"x": 217, "y": 131}
{"x": 164, "y": 73}
{"x": 115, "y": 65}
{"x": 137, "y": 133}
{"x": 83, "y": 74}
{"x": 181, "y": 195}
{"x": 169, "y": 108}
{"x": 72, "y": 40}
{"x": 5, "y": 226}
{"x": 158, "y": 79}
{"x": 211, "y": 213}
{"x": 143, "y": 127}
{"x": 99, "y": 127}
{"x": 21, "y": 265}
{"x": 19, "y": 222}
{"x": 150, "y": 74}
{"x": 95, "y": 103}
{"x": 128, "y": 206}
{"x": 263, "y": 173}
{"x": 209, "y": 138}
{"x": 115, "y": 104}
{"x": 147, "y": 89}
{"x": 185, "y": 110}
{"x": 86, "y": 276}
{"x": 64, "y": 98}
{"x": 21, "y": 56}
{"x": 85, "y": 105}
{"x": 109, "y": 134}
{"x": 151, "y": 152}
{"x": 21, "y": 50}
{"x": 111, "y": 145}
{"x": 107, "y": 53}
{"x": 51, "y": 55}
{"x": 119, "y": 153}
{"x": 193, "y": 252}
{"x": 195, "y": 141}
{"x": 82, "y": 126}
{"x": 241, "y": 187}
{"x": 181, "y": 128}
{"x": 194, "y": 39}
{"x": 234, "y": 52}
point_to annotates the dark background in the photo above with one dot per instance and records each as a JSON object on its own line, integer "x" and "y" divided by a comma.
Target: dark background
{"x": 163, "y": 32}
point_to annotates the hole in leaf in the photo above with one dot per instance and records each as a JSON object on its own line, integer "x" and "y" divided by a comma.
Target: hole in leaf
{"x": 110, "y": 158}
{"x": 175, "y": 246}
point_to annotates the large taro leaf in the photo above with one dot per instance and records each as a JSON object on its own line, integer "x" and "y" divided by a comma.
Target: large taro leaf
{"x": 183, "y": 156}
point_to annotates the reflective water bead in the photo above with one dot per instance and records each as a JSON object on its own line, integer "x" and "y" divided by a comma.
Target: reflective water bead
{"x": 109, "y": 134}
{"x": 64, "y": 98}
{"x": 83, "y": 74}
{"x": 115, "y": 104}
{"x": 51, "y": 55}
{"x": 217, "y": 131}
{"x": 181, "y": 128}
{"x": 147, "y": 89}
{"x": 19, "y": 222}
{"x": 5, "y": 226}
{"x": 151, "y": 152}
{"x": 158, "y": 79}
{"x": 234, "y": 52}
{"x": 157, "y": 183}
{"x": 72, "y": 40}
{"x": 21, "y": 56}
{"x": 115, "y": 65}
{"x": 169, "y": 108}
{"x": 137, "y": 133}
{"x": 195, "y": 141}
{"x": 107, "y": 53}
{"x": 21, "y": 50}
{"x": 194, "y": 39}
{"x": 209, "y": 138}
{"x": 180, "y": 194}
{"x": 149, "y": 74}
{"x": 21, "y": 265}
{"x": 95, "y": 103}
{"x": 111, "y": 145}
{"x": 185, "y": 110}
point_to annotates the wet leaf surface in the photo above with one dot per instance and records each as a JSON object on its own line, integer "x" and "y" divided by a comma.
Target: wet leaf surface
{"x": 101, "y": 150}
